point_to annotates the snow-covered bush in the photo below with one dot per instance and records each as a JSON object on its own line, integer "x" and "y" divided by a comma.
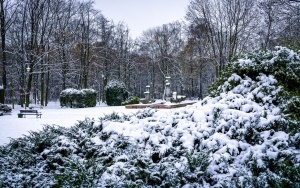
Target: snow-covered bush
{"x": 94, "y": 154}
{"x": 4, "y": 108}
{"x": 90, "y": 97}
{"x": 116, "y": 93}
{"x": 74, "y": 98}
{"x": 274, "y": 76}
{"x": 131, "y": 100}
{"x": 257, "y": 116}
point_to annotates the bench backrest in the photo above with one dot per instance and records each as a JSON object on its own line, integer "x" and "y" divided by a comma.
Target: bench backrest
{"x": 28, "y": 111}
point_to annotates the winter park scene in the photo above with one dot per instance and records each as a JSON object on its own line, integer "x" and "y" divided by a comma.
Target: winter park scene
{"x": 150, "y": 94}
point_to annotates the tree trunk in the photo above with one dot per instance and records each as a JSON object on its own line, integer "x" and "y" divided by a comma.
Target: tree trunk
{"x": 42, "y": 97}
{"x": 47, "y": 86}
{"x": 3, "y": 45}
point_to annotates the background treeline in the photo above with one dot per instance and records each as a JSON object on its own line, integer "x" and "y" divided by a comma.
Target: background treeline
{"x": 70, "y": 44}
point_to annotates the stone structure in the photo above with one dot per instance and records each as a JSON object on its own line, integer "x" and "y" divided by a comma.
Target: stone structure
{"x": 167, "y": 92}
{"x": 147, "y": 94}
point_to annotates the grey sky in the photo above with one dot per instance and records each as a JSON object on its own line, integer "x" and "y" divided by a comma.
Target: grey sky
{"x": 141, "y": 15}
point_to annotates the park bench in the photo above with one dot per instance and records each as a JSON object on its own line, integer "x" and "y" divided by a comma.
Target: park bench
{"x": 23, "y": 113}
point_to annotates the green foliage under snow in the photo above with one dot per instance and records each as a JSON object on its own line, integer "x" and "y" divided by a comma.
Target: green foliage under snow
{"x": 131, "y": 100}
{"x": 87, "y": 156}
{"x": 246, "y": 134}
{"x": 116, "y": 93}
{"x": 78, "y": 98}
{"x": 4, "y": 108}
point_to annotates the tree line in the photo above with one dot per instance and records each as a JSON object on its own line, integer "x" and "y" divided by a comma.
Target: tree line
{"x": 51, "y": 45}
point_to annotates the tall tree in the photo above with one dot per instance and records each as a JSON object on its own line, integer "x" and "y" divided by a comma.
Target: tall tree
{"x": 33, "y": 11}
{"x": 122, "y": 50}
{"x": 163, "y": 45}
{"x": 228, "y": 23}
{"x": 198, "y": 69}
{"x": 64, "y": 40}
{"x": 104, "y": 47}
{"x": 87, "y": 15}
{"x": 7, "y": 11}
{"x": 290, "y": 13}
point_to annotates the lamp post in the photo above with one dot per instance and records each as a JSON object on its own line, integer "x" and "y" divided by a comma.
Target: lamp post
{"x": 25, "y": 91}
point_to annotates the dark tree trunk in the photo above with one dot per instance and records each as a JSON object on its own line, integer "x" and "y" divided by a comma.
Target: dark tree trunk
{"x": 3, "y": 45}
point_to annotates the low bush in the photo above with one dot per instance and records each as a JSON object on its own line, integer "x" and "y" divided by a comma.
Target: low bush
{"x": 5, "y": 108}
{"x": 131, "y": 100}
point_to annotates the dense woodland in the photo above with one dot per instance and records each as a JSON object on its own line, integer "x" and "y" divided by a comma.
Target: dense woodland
{"x": 70, "y": 44}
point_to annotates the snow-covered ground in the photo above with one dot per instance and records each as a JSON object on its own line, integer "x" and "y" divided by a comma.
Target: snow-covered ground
{"x": 13, "y": 127}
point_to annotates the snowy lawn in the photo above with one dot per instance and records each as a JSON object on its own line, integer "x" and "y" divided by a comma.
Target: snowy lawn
{"x": 13, "y": 127}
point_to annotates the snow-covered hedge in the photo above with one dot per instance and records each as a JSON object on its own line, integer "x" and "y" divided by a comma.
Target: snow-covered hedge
{"x": 74, "y": 98}
{"x": 246, "y": 134}
{"x": 116, "y": 93}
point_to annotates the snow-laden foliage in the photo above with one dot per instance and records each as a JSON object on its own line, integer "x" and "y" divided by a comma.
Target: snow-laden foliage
{"x": 98, "y": 154}
{"x": 246, "y": 134}
{"x": 282, "y": 66}
{"x": 116, "y": 93}
{"x": 131, "y": 100}
{"x": 74, "y": 98}
{"x": 4, "y": 108}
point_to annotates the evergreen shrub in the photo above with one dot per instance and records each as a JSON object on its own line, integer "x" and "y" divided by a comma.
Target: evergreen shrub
{"x": 5, "y": 108}
{"x": 271, "y": 80}
{"x": 116, "y": 93}
{"x": 78, "y": 98}
{"x": 72, "y": 157}
{"x": 131, "y": 100}
{"x": 90, "y": 97}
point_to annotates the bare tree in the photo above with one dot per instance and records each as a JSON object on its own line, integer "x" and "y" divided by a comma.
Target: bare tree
{"x": 227, "y": 21}
{"x": 103, "y": 52}
{"x": 290, "y": 13}
{"x": 64, "y": 41}
{"x": 30, "y": 16}
{"x": 199, "y": 72}
{"x": 122, "y": 50}
{"x": 162, "y": 46}
{"x": 7, "y": 11}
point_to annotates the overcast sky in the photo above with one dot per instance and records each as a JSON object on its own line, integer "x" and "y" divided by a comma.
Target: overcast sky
{"x": 140, "y": 15}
